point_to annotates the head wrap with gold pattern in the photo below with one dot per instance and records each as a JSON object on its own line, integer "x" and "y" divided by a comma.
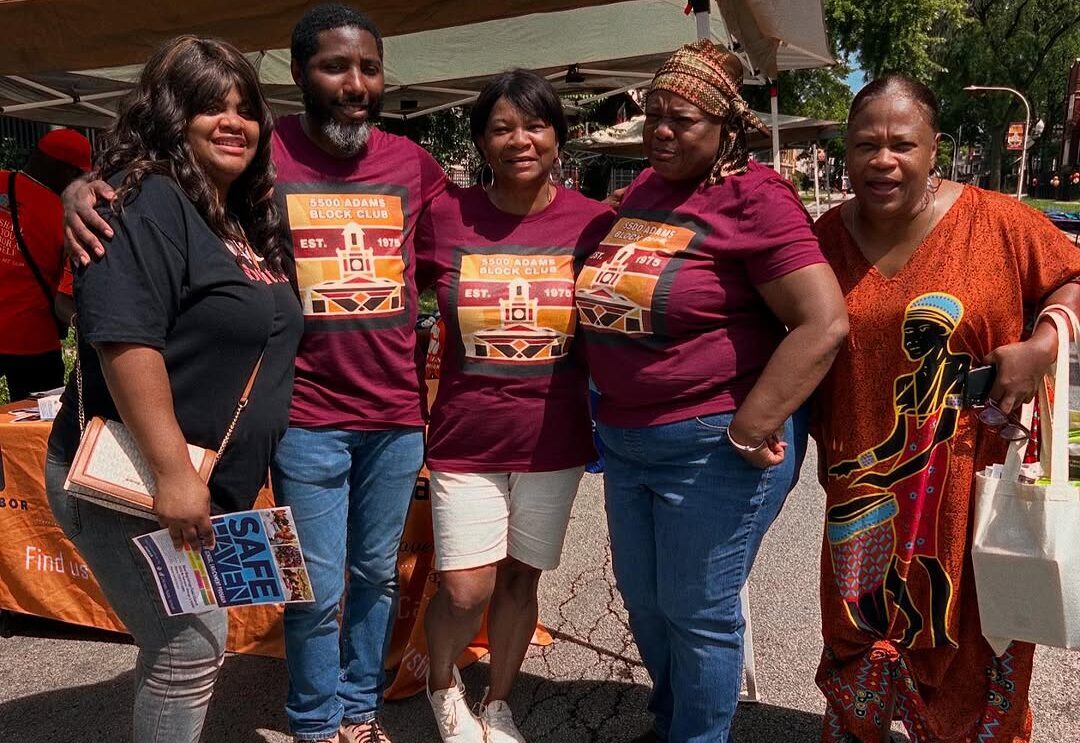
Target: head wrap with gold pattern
{"x": 697, "y": 73}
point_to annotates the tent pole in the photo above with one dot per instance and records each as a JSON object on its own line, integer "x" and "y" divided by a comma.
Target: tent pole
{"x": 701, "y": 17}
{"x": 828, "y": 188}
{"x": 817, "y": 190}
{"x": 83, "y": 101}
{"x": 774, "y": 104}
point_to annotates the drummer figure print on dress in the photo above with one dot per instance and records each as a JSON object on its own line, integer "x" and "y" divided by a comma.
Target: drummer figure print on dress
{"x": 891, "y": 522}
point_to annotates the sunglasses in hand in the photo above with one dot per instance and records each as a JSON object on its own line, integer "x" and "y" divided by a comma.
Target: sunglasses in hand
{"x": 1006, "y": 426}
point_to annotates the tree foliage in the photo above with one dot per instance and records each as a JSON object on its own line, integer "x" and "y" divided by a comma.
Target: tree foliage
{"x": 894, "y": 35}
{"x": 11, "y": 154}
{"x": 445, "y": 134}
{"x": 949, "y": 44}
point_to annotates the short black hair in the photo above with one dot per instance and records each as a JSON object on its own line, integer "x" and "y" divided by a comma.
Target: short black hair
{"x": 305, "y": 35}
{"x": 530, "y": 93}
{"x": 900, "y": 86}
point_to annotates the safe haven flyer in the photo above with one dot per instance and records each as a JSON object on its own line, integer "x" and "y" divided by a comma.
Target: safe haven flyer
{"x": 256, "y": 559}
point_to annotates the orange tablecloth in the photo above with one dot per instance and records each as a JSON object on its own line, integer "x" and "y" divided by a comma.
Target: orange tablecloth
{"x": 42, "y": 574}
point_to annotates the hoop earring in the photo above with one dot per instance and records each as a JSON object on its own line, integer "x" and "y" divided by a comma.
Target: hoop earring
{"x": 487, "y": 169}
{"x": 931, "y": 186}
{"x": 555, "y": 175}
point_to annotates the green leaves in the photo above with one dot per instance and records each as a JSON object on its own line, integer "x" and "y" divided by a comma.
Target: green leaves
{"x": 1022, "y": 44}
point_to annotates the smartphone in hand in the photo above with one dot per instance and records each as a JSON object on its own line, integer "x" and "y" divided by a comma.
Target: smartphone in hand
{"x": 977, "y": 386}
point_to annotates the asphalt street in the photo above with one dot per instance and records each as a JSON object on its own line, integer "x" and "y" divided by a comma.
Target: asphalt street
{"x": 588, "y": 687}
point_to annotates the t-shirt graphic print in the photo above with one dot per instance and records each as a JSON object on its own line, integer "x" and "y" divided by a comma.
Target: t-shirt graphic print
{"x": 350, "y": 267}
{"x": 624, "y": 286}
{"x": 515, "y": 310}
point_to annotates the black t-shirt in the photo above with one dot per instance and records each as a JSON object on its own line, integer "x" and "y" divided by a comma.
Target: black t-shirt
{"x": 168, "y": 282}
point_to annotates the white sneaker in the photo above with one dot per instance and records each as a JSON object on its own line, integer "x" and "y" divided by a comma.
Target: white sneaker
{"x": 499, "y": 720}
{"x": 456, "y": 722}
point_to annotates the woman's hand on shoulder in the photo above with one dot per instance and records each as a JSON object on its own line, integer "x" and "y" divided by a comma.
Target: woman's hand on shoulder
{"x": 614, "y": 199}
{"x": 182, "y": 506}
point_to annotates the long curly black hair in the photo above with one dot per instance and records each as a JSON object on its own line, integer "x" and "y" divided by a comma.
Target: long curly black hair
{"x": 184, "y": 78}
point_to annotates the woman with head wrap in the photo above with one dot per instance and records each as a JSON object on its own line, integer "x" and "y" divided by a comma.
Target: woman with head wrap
{"x": 938, "y": 278}
{"x": 709, "y": 316}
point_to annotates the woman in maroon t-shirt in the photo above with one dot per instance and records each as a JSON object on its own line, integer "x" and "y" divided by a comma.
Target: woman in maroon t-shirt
{"x": 709, "y": 316}
{"x": 510, "y": 432}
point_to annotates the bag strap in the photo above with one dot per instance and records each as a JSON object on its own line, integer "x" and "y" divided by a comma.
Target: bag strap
{"x": 1064, "y": 320}
{"x": 240, "y": 405}
{"x": 27, "y": 257}
{"x": 1014, "y": 458}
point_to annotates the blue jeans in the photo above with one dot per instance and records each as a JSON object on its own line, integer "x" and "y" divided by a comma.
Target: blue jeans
{"x": 686, "y": 516}
{"x": 350, "y": 493}
{"x": 179, "y": 657}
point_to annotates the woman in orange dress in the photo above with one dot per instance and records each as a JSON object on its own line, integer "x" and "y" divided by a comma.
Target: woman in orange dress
{"x": 938, "y": 278}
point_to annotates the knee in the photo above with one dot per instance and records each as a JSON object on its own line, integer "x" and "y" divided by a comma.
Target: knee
{"x": 464, "y": 598}
{"x": 190, "y": 672}
{"x": 324, "y": 608}
{"x": 380, "y": 574}
{"x": 518, "y": 582}
{"x": 705, "y": 618}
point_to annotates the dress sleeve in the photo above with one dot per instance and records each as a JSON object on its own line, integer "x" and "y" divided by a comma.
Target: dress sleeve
{"x": 775, "y": 233}
{"x": 133, "y": 294}
{"x": 1045, "y": 258}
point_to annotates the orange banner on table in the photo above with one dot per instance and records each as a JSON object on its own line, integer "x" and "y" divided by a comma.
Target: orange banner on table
{"x": 41, "y": 572}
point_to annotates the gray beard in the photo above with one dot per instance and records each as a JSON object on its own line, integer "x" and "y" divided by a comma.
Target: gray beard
{"x": 348, "y": 138}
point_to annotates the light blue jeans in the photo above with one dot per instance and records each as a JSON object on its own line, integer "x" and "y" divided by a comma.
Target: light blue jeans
{"x": 686, "y": 515}
{"x": 179, "y": 657}
{"x": 350, "y": 493}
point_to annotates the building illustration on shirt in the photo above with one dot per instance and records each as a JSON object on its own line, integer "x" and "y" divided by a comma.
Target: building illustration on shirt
{"x": 360, "y": 290}
{"x": 518, "y": 337}
{"x": 601, "y": 305}
{"x": 348, "y": 249}
{"x": 514, "y": 311}
{"x": 622, "y": 288}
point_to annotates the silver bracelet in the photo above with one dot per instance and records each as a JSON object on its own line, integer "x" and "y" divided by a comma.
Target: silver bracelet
{"x": 743, "y": 447}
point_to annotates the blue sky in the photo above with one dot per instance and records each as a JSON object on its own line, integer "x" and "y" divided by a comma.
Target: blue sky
{"x": 856, "y": 79}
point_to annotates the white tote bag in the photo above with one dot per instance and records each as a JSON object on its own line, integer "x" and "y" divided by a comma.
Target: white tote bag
{"x": 1026, "y": 537}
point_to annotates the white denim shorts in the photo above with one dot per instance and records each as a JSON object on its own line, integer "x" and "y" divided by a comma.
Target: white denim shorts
{"x": 481, "y": 518}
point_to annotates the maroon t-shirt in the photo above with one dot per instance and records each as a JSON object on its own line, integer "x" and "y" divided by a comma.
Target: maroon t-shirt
{"x": 352, "y": 225}
{"x": 513, "y": 392}
{"x": 673, "y": 325}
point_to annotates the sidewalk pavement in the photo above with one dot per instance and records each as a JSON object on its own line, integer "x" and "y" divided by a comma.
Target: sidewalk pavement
{"x": 588, "y": 687}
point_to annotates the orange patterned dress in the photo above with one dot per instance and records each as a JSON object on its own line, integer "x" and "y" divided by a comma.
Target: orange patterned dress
{"x": 898, "y": 455}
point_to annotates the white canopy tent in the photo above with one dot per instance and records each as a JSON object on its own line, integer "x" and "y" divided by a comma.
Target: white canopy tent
{"x": 604, "y": 48}
{"x": 625, "y": 139}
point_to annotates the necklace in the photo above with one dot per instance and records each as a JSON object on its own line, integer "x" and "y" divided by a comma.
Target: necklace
{"x": 856, "y": 232}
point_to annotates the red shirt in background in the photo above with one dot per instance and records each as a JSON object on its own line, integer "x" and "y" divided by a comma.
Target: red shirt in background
{"x": 513, "y": 392}
{"x": 352, "y": 225}
{"x": 27, "y": 326}
{"x": 673, "y": 325}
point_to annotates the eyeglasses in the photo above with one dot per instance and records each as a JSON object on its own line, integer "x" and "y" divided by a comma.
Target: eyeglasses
{"x": 1006, "y": 426}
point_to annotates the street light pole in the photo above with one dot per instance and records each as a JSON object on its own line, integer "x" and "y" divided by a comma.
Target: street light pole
{"x": 954, "y": 151}
{"x": 1027, "y": 127}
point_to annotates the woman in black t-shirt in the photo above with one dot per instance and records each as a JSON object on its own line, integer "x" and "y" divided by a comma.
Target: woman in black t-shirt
{"x": 171, "y": 323}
